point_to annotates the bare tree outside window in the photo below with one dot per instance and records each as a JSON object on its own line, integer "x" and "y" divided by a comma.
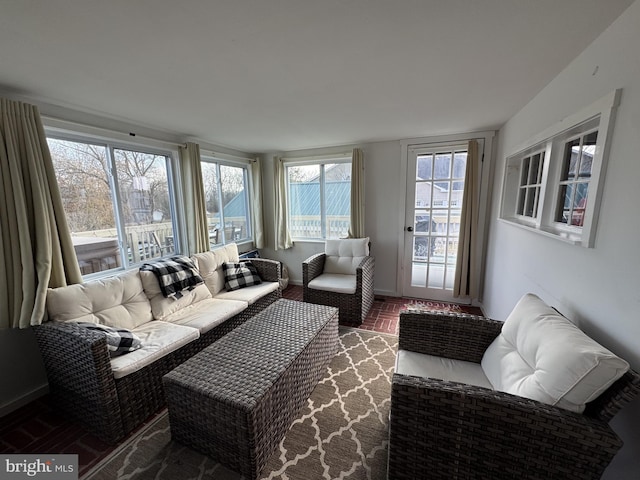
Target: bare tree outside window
{"x": 89, "y": 198}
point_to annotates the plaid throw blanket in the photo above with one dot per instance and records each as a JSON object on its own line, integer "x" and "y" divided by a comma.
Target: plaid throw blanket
{"x": 175, "y": 275}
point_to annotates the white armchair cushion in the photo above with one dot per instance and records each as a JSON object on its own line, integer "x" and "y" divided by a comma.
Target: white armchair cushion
{"x": 118, "y": 302}
{"x": 542, "y": 356}
{"x": 344, "y": 255}
{"x": 335, "y": 282}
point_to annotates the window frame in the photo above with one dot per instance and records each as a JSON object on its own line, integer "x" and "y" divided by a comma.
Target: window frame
{"x": 599, "y": 117}
{"x": 112, "y": 143}
{"x": 221, "y": 160}
{"x": 314, "y": 161}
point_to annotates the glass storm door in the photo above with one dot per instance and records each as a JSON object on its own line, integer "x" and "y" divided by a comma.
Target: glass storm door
{"x": 435, "y": 185}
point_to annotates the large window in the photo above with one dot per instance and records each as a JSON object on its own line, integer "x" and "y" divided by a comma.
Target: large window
{"x": 319, "y": 196}
{"x": 226, "y": 190}
{"x": 554, "y": 185}
{"x": 117, "y": 200}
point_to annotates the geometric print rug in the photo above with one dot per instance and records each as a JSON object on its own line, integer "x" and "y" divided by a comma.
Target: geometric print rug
{"x": 341, "y": 433}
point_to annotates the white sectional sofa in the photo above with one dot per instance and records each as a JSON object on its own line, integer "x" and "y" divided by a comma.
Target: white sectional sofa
{"x": 112, "y": 393}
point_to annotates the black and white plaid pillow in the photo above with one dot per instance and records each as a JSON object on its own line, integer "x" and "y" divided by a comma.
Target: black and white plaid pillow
{"x": 240, "y": 275}
{"x": 119, "y": 340}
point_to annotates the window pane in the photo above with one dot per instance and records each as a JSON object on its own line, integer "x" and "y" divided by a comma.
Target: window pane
{"x": 234, "y": 200}
{"x": 212, "y": 202}
{"x": 304, "y": 201}
{"x": 319, "y": 200}
{"x": 579, "y": 204}
{"x": 143, "y": 187}
{"x": 588, "y": 151}
{"x": 424, "y": 167}
{"x": 564, "y": 205}
{"x": 533, "y": 169}
{"x": 81, "y": 171}
{"x": 423, "y": 194}
{"x": 524, "y": 176}
{"x": 459, "y": 165}
{"x": 571, "y": 152}
{"x": 442, "y": 166}
{"x": 337, "y": 194}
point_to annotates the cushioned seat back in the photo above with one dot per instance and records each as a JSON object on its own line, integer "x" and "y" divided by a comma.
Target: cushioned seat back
{"x": 163, "y": 307}
{"x": 210, "y": 265}
{"x": 344, "y": 255}
{"x": 542, "y": 356}
{"x": 118, "y": 302}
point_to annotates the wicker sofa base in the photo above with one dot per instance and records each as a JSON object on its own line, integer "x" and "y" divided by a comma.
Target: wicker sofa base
{"x": 235, "y": 400}
{"x": 82, "y": 386}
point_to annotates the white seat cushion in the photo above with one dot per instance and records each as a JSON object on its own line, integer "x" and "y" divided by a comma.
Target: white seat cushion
{"x": 343, "y": 256}
{"x": 161, "y": 306}
{"x": 118, "y": 302}
{"x": 207, "y": 314}
{"x": 210, "y": 266}
{"x": 422, "y": 365}
{"x": 334, "y": 282}
{"x": 249, "y": 294}
{"x": 542, "y": 356}
{"x": 158, "y": 339}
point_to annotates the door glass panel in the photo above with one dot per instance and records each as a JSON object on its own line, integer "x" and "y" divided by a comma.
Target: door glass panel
{"x": 439, "y": 188}
{"x": 442, "y": 166}
{"x": 424, "y": 167}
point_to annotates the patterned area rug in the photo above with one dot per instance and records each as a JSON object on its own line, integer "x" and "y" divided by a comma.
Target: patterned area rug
{"x": 340, "y": 434}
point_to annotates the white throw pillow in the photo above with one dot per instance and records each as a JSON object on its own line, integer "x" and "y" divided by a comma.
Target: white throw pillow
{"x": 543, "y": 356}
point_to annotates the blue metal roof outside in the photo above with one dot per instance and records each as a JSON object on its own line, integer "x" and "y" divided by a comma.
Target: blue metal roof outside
{"x": 305, "y": 198}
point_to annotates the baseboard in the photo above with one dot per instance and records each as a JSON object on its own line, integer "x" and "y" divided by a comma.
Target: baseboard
{"x": 21, "y": 401}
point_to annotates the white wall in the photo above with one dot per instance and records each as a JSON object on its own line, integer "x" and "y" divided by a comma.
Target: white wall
{"x": 383, "y": 202}
{"x": 599, "y": 288}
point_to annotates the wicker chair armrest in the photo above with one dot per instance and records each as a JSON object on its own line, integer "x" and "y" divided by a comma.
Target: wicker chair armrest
{"x": 494, "y": 430}
{"x": 312, "y": 267}
{"x": 366, "y": 268}
{"x": 269, "y": 270}
{"x": 72, "y": 354}
{"x": 458, "y": 336}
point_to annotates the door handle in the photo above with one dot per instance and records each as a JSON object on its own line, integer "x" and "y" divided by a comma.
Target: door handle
{"x": 409, "y": 229}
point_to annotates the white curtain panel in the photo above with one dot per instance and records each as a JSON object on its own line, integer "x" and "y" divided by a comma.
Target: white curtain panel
{"x": 36, "y": 251}
{"x": 466, "y": 279}
{"x": 283, "y": 236}
{"x": 194, "y": 199}
{"x": 256, "y": 204}
{"x": 356, "y": 228}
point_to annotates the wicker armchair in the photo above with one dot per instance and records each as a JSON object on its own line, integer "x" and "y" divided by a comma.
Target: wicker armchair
{"x": 341, "y": 277}
{"x": 445, "y": 430}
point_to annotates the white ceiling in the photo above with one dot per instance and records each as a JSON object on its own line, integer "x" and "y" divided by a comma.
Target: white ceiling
{"x": 265, "y": 75}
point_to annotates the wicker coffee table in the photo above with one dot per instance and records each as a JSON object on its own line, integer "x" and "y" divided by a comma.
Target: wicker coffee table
{"x": 235, "y": 400}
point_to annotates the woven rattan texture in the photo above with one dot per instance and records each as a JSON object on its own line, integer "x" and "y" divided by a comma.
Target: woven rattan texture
{"x": 445, "y": 430}
{"x": 446, "y": 334}
{"x": 353, "y": 307}
{"x": 235, "y": 400}
{"x": 81, "y": 382}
